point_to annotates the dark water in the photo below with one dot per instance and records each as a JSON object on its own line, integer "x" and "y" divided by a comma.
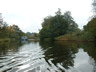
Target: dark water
{"x": 48, "y": 57}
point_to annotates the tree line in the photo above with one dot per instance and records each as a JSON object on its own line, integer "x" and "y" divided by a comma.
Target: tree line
{"x": 63, "y": 27}
{"x": 11, "y": 32}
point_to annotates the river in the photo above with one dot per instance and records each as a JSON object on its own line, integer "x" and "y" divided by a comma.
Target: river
{"x": 58, "y": 56}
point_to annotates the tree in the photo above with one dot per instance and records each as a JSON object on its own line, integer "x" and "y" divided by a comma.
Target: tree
{"x": 91, "y": 28}
{"x": 53, "y": 26}
{"x": 15, "y": 32}
{"x": 9, "y": 31}
{"x": 72, "y": 26}
{"x": 94, "y": 8}
{"x": 57, "y": 25}
{"x": 3, "y": 29}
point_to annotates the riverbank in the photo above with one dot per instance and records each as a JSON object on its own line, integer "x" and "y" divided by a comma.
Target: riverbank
{"x": 75, "y": 37}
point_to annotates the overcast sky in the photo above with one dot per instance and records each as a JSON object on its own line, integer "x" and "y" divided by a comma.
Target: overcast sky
{"x": 29, "y": 14}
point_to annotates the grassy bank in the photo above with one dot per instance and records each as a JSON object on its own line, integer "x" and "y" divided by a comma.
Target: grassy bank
{"x": 76, "y": 37}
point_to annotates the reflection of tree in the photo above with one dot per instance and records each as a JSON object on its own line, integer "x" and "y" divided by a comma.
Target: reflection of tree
{"x": 64, "y": 52}
{"x": 9, "y": 47}
{"x": 60, "y": 52}
{"x": 90, "y": 48}
{"x": 34, "y": 42}
{"x": 3, "y": 48}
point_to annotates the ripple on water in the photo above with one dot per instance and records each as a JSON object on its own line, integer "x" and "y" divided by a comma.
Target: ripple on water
{"x": 28, "y": 58}
{"x": 25, "y": 59}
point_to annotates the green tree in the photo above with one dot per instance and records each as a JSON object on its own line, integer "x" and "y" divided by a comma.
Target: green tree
{"x": 53, "y": 26}
{"x": 57, "y": 25}
{"x": 72, "y": 26}
{"x": 91, "y": 27}
{"x": 15, "y": 32}
{"x": 4, "y": 30}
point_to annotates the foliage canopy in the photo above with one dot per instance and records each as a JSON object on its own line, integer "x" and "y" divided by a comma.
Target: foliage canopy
{"x": 58, "y": 25}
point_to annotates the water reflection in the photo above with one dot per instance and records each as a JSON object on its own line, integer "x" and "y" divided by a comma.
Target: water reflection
{"x": 20, "y": 57}
{"x": 71, "y": 56}
{"x": 90, "y": 49}
{"x": 59, "y": 56}
{"x": 9, "y": 48}
{"x": 24, "y": 42}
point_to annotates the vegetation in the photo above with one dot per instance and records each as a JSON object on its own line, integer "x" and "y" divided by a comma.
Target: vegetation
{"x": 3, "y": 30}
{"x": 15, "y": 32}
{"x": 63, "y": 27}
{"x": 9, "y": 32}
{"x": 88, "y": 34}
{"x": 90, "y": 29}
{"x": 58, "y": 27}
{"x": 60, "y": 24}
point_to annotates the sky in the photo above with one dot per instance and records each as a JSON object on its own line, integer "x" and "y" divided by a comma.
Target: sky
{"x": 29, "y": 14}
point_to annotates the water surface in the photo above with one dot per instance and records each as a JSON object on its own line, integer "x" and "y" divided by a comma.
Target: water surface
{"x": 48, "y": 56}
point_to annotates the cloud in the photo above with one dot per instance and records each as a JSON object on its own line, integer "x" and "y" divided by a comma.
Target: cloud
{"x": 30, "y": 13}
